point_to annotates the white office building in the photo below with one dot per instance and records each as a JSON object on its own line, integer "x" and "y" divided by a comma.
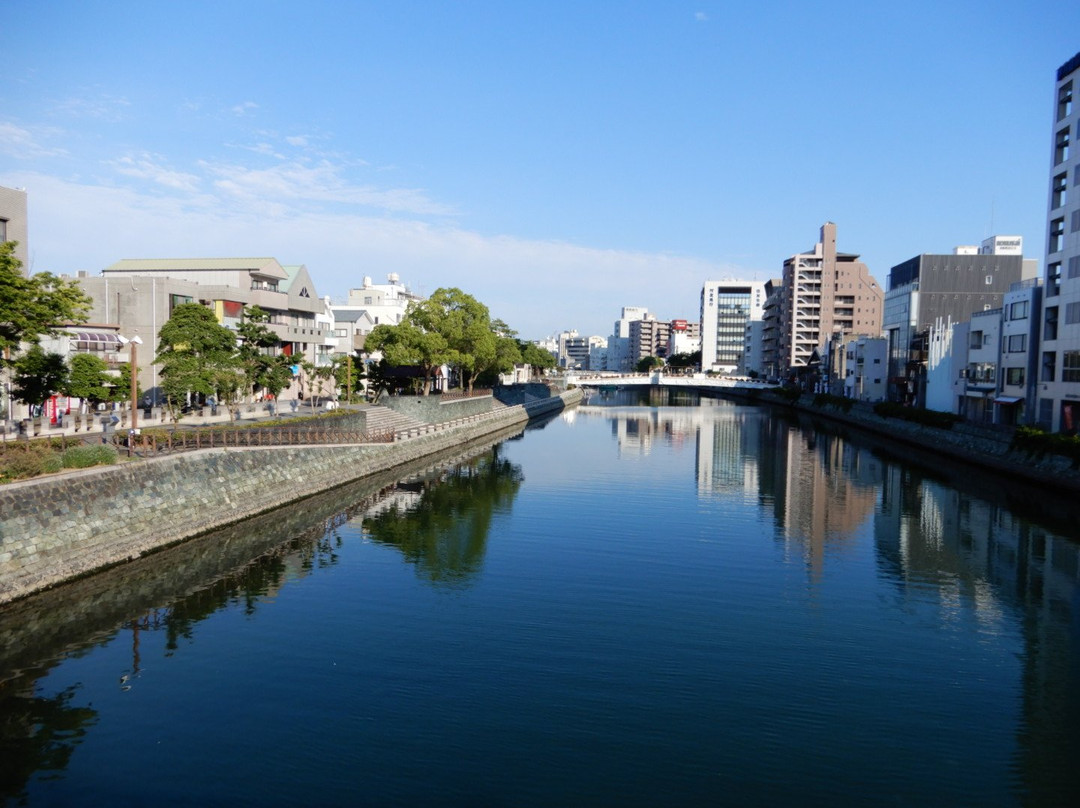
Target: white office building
{"x": 1059, "y": 367}
{"x": 726, "y": 309}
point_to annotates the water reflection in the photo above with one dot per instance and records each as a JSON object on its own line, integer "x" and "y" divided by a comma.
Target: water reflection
{"x": 440, "y": 523}
{"x": 1002, "y": 554}
{"x": 37, "y": 734}
{"x": 240, "y": 567}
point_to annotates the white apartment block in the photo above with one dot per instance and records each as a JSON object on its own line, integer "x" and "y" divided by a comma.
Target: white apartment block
{"x": 866, "y": 368}
{"x": 620, "y": 349}
{"x": 727, "y": 307}
{"x": 1058, "y": 393}
{"x": 1021, "y": 322}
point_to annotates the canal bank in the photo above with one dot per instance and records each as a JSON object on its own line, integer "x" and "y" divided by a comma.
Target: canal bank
{"x": 61, "y": 528}
{"x": 988, "y": 447}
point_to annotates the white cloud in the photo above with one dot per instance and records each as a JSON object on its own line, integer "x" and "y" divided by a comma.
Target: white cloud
{"x": 539, "y": 287}
{"x": 297, "y": 140}
{"x": 321, "y": 182}
{"x": 242, "y": 109}
{"x": 25, "y": 144}
{"x": 146, "y": 166}
{"x": 701, "y": 16}
{"x": 102, "y": 107}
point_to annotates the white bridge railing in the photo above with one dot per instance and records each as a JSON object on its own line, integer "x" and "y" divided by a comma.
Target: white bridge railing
{"x": 697, "y": 380}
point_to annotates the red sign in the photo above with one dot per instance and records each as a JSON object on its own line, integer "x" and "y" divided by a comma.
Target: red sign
{"x": 678, "y": 325}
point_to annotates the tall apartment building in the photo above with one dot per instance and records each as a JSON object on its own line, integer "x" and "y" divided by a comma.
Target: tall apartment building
{"x": 824, "y": 294}
{"x": 938, "y": 290}
{"x": 619, "y": 353}
{"x": 1059, "y": 373}
{"x": 13, "y": 222}
{"x": 727, "y": 307}
{"x": 648, "y": 337}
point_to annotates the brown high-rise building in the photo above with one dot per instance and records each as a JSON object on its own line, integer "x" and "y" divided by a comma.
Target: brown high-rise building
{"x": 823, "y": 294}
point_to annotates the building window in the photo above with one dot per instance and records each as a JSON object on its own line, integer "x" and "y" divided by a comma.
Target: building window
{"x": 1053, "y": 278}
{"x": 1061, "y": 146}
{"x": 3, "y": 230}
{"x": 1057, "y": 234}
{"x": 1065, "y": 99}
{"x": 1058, "y": 193}
{"x": 1049, "y": 366}
{"x": 1014, "y": 376}
{"x": 1070, "y": 366}
{"x": 1050, "y": 323}
{"x": 1017, "y": 343}
{"x": 1075, "y": 223}
{"x": 1018, "y": 310}
{"x": 976, "y": 339}
{"x": 1072, "y": 313}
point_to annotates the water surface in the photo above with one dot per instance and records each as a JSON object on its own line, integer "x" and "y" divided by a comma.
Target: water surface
{"x": 698, "y": 603}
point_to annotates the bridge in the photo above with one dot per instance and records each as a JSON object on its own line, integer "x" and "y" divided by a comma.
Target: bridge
{"x": 695, "y": 381}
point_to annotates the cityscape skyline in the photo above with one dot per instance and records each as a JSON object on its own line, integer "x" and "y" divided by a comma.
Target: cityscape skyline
{"x": 557, "y": 163}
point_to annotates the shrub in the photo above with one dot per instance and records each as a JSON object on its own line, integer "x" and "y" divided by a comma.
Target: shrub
{"x": 27, "y": 461}
{"x": 917, "y": 415}
{"x": 1035, "y": 441}
{"x": 82, "y": 457}
{"x": 822, "y": 400}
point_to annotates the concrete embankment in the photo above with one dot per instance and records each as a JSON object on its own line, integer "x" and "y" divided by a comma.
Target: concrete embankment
{"x": 60, "y": 528}
{"x": 987, "y": 447}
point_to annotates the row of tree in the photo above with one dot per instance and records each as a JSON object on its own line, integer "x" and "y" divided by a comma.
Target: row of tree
{"x": 454, "y": 329}
{"x": 199, "y": 356}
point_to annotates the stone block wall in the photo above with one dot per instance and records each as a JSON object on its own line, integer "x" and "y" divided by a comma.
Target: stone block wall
{"x": 433, "y": 410}
{"x": 59, "y": 528}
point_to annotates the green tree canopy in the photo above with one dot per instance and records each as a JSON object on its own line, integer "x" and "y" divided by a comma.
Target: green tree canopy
{"x": 32, "y": 307}
{"x": 89, "y": 378}
{"x": 407, "y": 344}
{"x": 38, "y": 375}
{"x": 647, "y": 363}
{"x": 262, "y": 369}
{"x": 197, "y": 354}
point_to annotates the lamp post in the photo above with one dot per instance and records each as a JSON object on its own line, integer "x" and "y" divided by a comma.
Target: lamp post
{"x": 133, "y": 342}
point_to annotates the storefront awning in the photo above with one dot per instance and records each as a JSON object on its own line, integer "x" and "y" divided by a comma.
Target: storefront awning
{"x": 1007, "y": 400}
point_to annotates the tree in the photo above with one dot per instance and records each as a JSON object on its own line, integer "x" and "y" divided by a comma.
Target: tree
{"x": 535, "y": 356}
{"x": 38, "y": 375}
{"x": 32, "y": 307}
{"x": 647, "y": 363}
{"x": 262, "y": 370}
{"x": 406, "y": 344}
{"x": 89, "y": 378}
{"x": 197, "y": 355}
{"x": 685, "y": 360}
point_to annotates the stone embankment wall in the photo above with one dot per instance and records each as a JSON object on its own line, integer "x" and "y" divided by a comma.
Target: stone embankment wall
{"x": 434, "y": 410}
{"x": 62, "y": 527}
{"x": 989, "y": 447}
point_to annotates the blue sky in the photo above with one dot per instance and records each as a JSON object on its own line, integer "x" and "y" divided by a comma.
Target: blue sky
{"x": 556, "y": 160}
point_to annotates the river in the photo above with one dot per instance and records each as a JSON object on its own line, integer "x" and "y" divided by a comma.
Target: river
{"x": 643, "y": 601}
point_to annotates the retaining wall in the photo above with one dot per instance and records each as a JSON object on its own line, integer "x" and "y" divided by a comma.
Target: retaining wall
{"x": 59, "y": 528}
{"x": 433, "y": 410}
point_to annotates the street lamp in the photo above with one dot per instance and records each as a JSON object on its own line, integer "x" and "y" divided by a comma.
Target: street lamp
{"x": 134, "y": 376}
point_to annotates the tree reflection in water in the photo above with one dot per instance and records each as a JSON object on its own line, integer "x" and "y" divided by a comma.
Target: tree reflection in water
{"x": 443, "y": 530}
{"x": 37, "y": 734}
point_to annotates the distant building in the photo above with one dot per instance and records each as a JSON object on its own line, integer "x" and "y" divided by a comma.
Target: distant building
{"x": 137, "y": 296}
{"x": 1059, "y": 367}
{"x": 824, "y": 294}
{"x": 727, "y": 307}
{"x": 648, "y": 337}
{"x": 684, "y": 337}
{"x": 13, "y": 223}
{"x": 864, "y": 368}
{"x": 942, "y": 290}
{"x": 620, "y": 355}
{"x": 1021, "y": 325}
